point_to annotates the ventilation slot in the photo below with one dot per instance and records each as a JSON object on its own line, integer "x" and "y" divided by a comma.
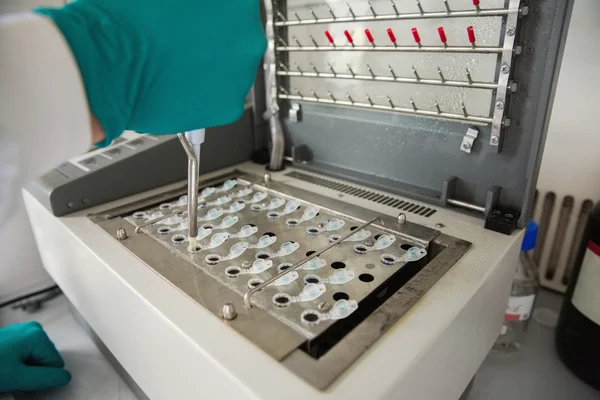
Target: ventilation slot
{"x": 562, "y": 223}
{"x": 375, "y": 197}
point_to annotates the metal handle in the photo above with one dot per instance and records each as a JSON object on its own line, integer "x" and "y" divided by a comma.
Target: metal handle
{"x": 307, "y": 259}
{"x": 400, "y": 49}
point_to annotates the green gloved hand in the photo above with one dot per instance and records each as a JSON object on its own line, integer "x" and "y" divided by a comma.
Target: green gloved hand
{"x": 28, "y": 359}
{"x": 163, "y": 67}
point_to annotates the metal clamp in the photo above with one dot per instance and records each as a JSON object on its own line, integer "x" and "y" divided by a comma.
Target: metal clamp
{"x": 469, "y": 140}
{"x": 307, "y": 259}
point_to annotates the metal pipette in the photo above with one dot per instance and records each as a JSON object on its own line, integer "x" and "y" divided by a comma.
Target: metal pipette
{"x": 192, "y": 149}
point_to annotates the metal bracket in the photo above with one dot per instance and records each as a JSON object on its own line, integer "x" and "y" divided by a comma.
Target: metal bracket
{"x": 469, "y": 140}
{"x": 295, "y": 113}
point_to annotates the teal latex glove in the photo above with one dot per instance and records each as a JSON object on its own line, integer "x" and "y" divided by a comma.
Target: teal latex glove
{"x": 28, "y": 359}
{"x": 164, "y": 66}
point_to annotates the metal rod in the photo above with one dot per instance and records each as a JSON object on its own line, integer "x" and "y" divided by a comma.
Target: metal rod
{"x": 495, "y": 12}
{"x": 298, "y": 17}
{"x": 416, "y": 73}
{"x": 441, "y": 74}
{"x": 414, "y": 49}
{"x": 314, "y": 68}
{"x": 370, "y": 101}
{"x": 394, "y": 7}
{"x": 307, "y": 259}
{"x": 332, "y": 70}
{"x": 464, "y": 109}
{"x": 448, "y": 10}
{"x": 392, "y": 72}
{"x": 173, "y": 211}
{"x": 331, "y": 13}
{"x": 192, "y": 205}
{"x": 370, "y": 71}
{"x": 372, "y": 10}
{"x": 313, "y": 40}
{"x": 313, "y": 14}
{"x": 298, "y": 42}
{"x": 469, "y": 76}
{"x": 350, "y": 69}
{"x": 464, "y": 204}
{"x": 414, "y": 110}
{"x": 281, "y": 16}
{"x": 437, "y": 107}
{"x": 414, "y": 106}
{"x": 390, "y": 101}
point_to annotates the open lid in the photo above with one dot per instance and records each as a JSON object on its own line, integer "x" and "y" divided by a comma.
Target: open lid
{"x": 446, "y": 102}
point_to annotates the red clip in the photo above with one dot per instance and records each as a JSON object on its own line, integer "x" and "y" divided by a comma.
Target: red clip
{"x": 349, "y": 37}
{"x": 329, "y": 37}
{"x": 369, "y": 36}
{"x": 390, "y": 33}
{"x": 476, "y": 3}
{"x": 471, "y": 34}
{"x": 442, "y": 33}
{"x": 415, "y": 33}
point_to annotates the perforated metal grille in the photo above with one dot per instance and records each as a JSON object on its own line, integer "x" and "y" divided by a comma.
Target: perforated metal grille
{"x": 375, "y": 197}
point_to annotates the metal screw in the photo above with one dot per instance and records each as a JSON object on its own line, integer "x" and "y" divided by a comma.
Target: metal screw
{"x": 70, "y": 204}
{"x": 494, "y": 140}
{"x": 401, "y": 219}
{"x": 228, "y": 312}
{"x": 510, "y": 31}
{"x": 121, "y": 234}
{"x": 267, "y": 178}
{"x": 500, "y": 105}
{"x": 369, "y": 243}
{"x": 440, "y": 225}
{"x": 505, "y": 68}
{"x": 506, "y": 122}
{"x": 524, "y": 11}
{"x": 324, "y": 306}
{"x": 466, "y": 146}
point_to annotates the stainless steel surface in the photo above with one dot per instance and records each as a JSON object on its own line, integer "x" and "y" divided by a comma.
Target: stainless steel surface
{"x": 397, "y": 49}
{"x": 121, "y": 234}
{"x": 271, "y": 87}
{"x": 229, "y": 313}
{"x": 174, "y": 211}
{"x": 469, "y": 140}
{"x": 393, "y": 17}
{"x": 504, "y": 75}
{"x": 414, "y": 110}
{"x": 211, "y": 288}
{"x": 305, "y": 260}
{"x": 466, "y": 205}
{"x": 192, "y": 205}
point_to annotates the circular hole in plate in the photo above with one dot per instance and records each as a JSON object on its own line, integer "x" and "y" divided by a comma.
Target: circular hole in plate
{"x": 165, "y": 206}
{"x": 312, "y": 231}
{"x": 207, "y": 226}
{"x": 212, "y": 258}
{"x": 377, "y": 236}
{"x": 310, "y": 317}
{"x": 273, "y": 215}
{"x": 180, "y": 214}
{"x": 198, "y": 248}
{"x": 291, "y": 223}
{"x": 178, "y": 239}
{"x": 232, "y": 272}
{"x": 366, "y": 277}
{"x": 252, "y": 283}
{"x": 310, "y": 253}
{"x": 255, "y": 207}
{"x": 340, "y": 296}
{"x": 333, "y": 238}
{"x": 202, "y": 205}
{"x": 338, "y": 265}
{"x": 370, "y": 266}
{"x": 270, "y": 234}
{"x": 405, "y": 246}
{"x": 352, "y": 228}
{"x": 388, "y": 259}
{"x": 281, "y": 300}
{"x": 360, "y": 249}
{"x": 139, "y": 215}
{"x": 164, "y": 230}
{"x": 240, "y": 201}
{"x": 252, "y": 225}
{"x": 311, "y": 279}
{"x": 263, "y": 255}
{"x": 283, "y": 267}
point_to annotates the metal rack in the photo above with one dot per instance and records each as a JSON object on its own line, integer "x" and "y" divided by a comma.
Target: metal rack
{"x": 278, "y": 22}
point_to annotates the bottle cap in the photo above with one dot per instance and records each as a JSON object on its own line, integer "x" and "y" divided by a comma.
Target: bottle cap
{"x": 530, "y": 238}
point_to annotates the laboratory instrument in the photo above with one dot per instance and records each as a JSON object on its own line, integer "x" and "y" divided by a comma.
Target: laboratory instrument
{"x": 578, "y": 326}
{"x": 378, "y": 244}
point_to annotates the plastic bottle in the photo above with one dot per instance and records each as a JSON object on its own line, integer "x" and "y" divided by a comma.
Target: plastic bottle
{"x": 522, "y": 296}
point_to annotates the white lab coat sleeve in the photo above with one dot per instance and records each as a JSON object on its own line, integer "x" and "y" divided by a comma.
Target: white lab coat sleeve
{"x": 44, "y": 114}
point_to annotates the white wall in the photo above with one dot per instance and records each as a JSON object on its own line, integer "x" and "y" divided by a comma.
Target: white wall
{"x": 571, "y": 164}
{"x": 21, "y": 269}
